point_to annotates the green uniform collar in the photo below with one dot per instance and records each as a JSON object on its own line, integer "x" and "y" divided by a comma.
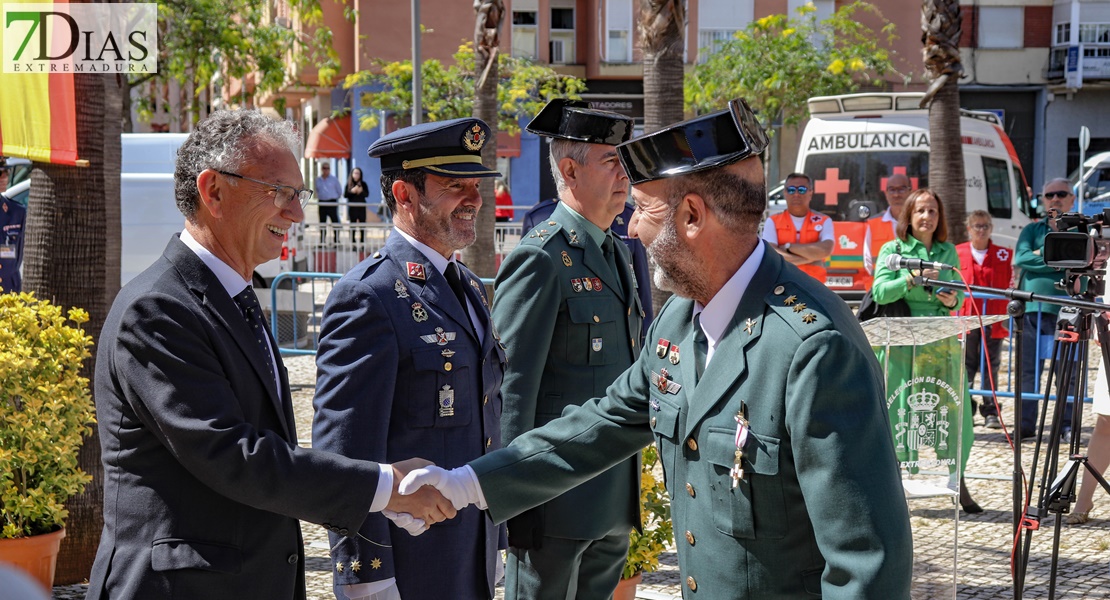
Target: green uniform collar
{"x": 574, "y": 221}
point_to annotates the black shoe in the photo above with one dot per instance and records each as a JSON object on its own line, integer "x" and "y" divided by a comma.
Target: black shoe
{"x": 992, "y": 422}
{"x": 1026, "y": 435}
{"x": 970, "y": 506}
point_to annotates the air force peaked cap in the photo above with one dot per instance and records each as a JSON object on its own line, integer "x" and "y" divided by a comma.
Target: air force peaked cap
{"x": 707, "y": 142}
{"x": 446, "y": 148}
{"x": 575, "y": 120}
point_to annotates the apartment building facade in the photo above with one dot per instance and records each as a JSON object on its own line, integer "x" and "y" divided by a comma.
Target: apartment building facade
{"x": 1015, "y": 54}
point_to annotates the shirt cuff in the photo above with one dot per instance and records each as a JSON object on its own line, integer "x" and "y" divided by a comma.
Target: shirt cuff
{"x": 385, "y": 488}
{"x": 361, "y": 591}
{"x": 479, "y": 497}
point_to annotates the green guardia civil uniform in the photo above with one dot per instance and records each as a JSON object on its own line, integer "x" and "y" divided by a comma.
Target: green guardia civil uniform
{"x": 819, "y": 510}
{"x": 571, "y": 327}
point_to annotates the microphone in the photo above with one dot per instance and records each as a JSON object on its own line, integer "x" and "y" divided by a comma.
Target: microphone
{"x": 896, "y": 261}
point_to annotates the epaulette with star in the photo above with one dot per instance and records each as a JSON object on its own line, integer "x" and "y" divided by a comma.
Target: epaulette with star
{"x": 798, "y": 309}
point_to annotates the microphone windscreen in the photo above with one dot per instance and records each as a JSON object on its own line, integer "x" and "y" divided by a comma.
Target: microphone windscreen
{"x": 892, "y": 261}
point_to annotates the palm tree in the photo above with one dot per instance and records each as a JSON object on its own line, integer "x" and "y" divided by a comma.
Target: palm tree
{"x": 71, "y": 254}
{"x": 662, "y": 41}
{"x": 487, "y": 36}
{"x": 940, "y": 25}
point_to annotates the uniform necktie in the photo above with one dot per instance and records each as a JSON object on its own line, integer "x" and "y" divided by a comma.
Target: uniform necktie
{"x": 453, "y": 279}
{"x": 610, "y": 253}
{"x": 701, "y": 346}
{"x": 252, "y": 312}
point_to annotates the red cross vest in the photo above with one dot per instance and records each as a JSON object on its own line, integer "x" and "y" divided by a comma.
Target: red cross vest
{"x": 812, "y": 226}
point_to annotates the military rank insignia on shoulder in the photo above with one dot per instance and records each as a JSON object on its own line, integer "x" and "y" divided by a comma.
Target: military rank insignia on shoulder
{"x": 792, "y": 305}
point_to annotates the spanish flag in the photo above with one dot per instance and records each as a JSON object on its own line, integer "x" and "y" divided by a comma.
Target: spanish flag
{"x": 38, "y": 115}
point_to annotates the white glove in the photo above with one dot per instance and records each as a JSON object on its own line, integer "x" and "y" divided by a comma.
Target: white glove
{"x": 406, "y": 521}
{"x": 460, "y": 485}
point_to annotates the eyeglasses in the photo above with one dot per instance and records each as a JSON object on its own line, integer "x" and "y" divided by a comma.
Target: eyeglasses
{"x": 1050, "y": 195}
{"x": 897, "y": 190}
{"x": 283, "y": 194}
{"x": 799, "y": 189}
{"x": 979, "y": 227}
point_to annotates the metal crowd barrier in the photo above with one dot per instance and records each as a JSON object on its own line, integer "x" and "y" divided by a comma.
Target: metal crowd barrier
{"x": 337, "y": 247}
{"x": 1012, "y": 370}
{"x": 300, "y": 297}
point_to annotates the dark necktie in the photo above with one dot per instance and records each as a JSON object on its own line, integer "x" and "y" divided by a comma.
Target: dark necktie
{"x": 252, "y": 312}
{"x": 455, "y": 281}
{"x": 701, "y": 346}
{"x": 610, "y": 253}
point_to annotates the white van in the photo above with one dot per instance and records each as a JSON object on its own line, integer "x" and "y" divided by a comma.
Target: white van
{"x": 1095, "y": 173}
{"x": 853, "y": 143}
{"x": 149, "y": 212}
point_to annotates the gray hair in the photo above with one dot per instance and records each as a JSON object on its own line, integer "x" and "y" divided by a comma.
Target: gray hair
{"x": 1063, "y": 180}
{"x": 737, "y": 202}
{"x": 560, "y": 149}
{"x": 415, "y": 177}
{"x": 978, "y": 214}
{"x": 222, "y": 142}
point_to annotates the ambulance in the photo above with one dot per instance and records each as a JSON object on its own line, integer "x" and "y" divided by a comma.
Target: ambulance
{"x": 853, "y": 143}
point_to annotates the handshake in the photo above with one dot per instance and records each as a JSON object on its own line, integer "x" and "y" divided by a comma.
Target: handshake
{"x": 424, "y": 494}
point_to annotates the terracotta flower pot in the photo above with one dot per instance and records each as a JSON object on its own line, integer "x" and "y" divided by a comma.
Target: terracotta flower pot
{"x": 36, "y": 555}
{"x": 626, "y": 588}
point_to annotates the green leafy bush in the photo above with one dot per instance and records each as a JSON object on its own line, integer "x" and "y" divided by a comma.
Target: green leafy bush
{"x": 645, "y": 548}
{"x": 45, "y": 411}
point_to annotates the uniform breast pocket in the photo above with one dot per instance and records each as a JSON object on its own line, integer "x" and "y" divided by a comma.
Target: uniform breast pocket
{"x": 756, "y": 507}
{"x": 664, "y": 424}
{"x": 591, "y": 332}
{"x": 441, "y": 394}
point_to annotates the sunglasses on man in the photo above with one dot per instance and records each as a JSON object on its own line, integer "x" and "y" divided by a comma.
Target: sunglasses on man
{"x": 1051, "y": 195}
{"x": 796, "y": 189}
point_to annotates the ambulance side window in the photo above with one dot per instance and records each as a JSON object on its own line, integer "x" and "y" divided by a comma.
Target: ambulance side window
{"x": 999, "y": 196}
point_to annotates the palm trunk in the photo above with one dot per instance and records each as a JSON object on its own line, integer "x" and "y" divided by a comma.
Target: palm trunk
{"x": 662, "y": 23}
{"x": 65, "y": 262}
{"x": 480, "y": 256}
{"x": 941, "y": 24}
{"x": 946, "y": 160}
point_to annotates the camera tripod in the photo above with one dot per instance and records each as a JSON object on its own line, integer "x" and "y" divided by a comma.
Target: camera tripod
{"x": 1058, "y": 484}
{"x": 1062, "y": 490}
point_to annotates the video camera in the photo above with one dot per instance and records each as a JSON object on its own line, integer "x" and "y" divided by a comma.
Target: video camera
{"x": 1076, "y": 242}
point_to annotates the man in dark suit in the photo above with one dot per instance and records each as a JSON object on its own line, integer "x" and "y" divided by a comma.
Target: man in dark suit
{"x": 565, "y": 301}
{"x": 410, "y": 361}
{"x": 542, "y": 212}
{"x": 203, "y": 480}
{"x": 769, "y": 416}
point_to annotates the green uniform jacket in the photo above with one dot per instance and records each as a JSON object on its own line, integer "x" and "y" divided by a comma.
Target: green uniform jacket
{"x": 820, "y": 510}
{"x": 567, "y": 344}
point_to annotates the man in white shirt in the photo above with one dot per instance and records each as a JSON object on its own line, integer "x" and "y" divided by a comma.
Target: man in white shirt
{"x": 881, "y": 229}
{"x": 328, "y": 191}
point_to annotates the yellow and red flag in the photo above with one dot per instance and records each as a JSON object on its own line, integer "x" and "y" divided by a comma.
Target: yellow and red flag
{"x": 38, "y": 115}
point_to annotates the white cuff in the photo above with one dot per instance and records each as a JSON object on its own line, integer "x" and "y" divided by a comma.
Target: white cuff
{"x": 385, "y": 488}
{"x": 475, "y": 487}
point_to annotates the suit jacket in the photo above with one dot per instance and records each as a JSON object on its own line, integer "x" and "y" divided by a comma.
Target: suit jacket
{"x": 541, "y": 213}
{"x": 820, "y": 510}
{"x": 400, "y": 373}
{"x": 203, "y": 480}
{"x": 567, "y": 344}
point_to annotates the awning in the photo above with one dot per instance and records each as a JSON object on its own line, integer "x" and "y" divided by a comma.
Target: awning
{"x": 330, "y": 138}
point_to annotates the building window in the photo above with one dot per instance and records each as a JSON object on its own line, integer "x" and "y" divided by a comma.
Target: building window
{"x": 1094, "y": 33}
{"x": 719, "y": 20}
{"x": 1063, "y": 34}
{"x": 1001, "y": 27}
{"x": 562, "y": 35}
{"x": 618, "y": 20}
{"x": 524, "y": 34}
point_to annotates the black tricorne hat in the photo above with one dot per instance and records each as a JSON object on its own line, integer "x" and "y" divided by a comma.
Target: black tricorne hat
{"x": 706, "y": 142}
{"x": 575, "y": 120}
{"x": 450, "y": 148}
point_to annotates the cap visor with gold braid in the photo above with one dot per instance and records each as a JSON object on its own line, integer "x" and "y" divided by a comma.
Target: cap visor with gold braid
{"x": 446, "y": 148}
